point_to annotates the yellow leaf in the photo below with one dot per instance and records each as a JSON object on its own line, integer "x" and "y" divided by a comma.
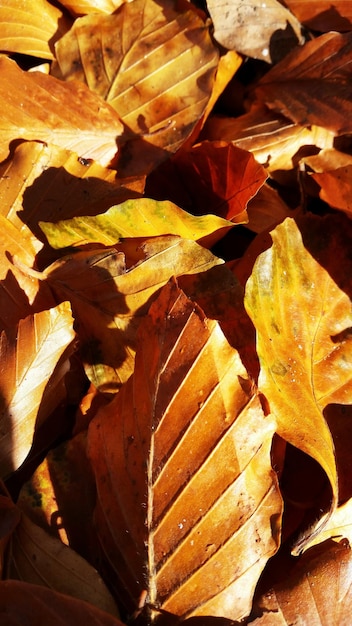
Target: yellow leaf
{"x": 29, "y": 355}
{"x": 300, "y": 315}
{"x": 142, "y": 217}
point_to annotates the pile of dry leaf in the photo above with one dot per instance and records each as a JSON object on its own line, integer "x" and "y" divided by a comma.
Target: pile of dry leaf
{"x": 175, "y": 307}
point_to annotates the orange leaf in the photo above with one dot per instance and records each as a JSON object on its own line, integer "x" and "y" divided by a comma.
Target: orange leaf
{"x": 323, "y": 15}
{"x": 29, "y": 355}
{"x": 312, "y": 84}
{"x": 31, "y": 28}
{"x": 24, "y": 603}
{"x": 176, "y": 457}
{"x": 33, "y": 109}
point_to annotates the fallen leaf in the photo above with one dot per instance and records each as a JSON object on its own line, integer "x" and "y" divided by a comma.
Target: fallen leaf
{"x": 263, "y": 30}
{"x": 303, "y": 598}
{"x": 274, "y": 141}
{"x": 312, "y": 85}
{"x": 31, "y": 29}
{"x": 109, "y": 301}
{"x": 83, "y": 7}
{"x": 42, "y": 181}
{"x": 211, "y": 177}
{"x": 36, "y": 557}
{"x": 300, "y": 315}
{"x": 181, "y": 513}
{"x": 155, "y": 66}
{"x": 24, "y": 603}
{"x": 142, "y": 217}
{"x": 29, "y": 355}
{"x": 32, "y": 109}
{"x": 336, "y": 188}
{"x": 323, "y": 15}
{"x": 20, "y": 294}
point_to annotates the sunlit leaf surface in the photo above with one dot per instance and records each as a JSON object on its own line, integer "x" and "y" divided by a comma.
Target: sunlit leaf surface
{"x": 154, "y": 65}
{"x": 142, "y": 217}
{"x": 29, "y": 355}
{"x": 302, "y": 319}
{"x": 178, "y": 502}
{"x": 32, "y": 109}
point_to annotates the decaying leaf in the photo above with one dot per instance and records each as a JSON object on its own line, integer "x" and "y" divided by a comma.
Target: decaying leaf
{"x": 181, "y": 512}
{"x": 301, "y": 315}
{"x": 262, "y": 30}
{"x": 312, "y": 85}
{"x": 25, "y": 603}
{"x": 154, "y": 65}
{"x": 33, "y": 109}
{"x": 29, "y": 356}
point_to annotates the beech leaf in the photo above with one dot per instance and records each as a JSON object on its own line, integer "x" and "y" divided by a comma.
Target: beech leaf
{"x": 300, "y": 315}
{"x": 32, "y": 109}
{"x": 176, "y": 456}
{"x": 211, "y": 177}
{"x": 254, "y": 28}
{"x": 25, "y": 603}
{"x": 303, "y": 597}
{"x": 312, "y": 84}
{"x": 109, "y": 301}
{"x": 154, "y": 65}
{"x": 31, "y": 28}
{"x": 36, "y": 557}
{"x": 142, "y": 217}
{"x": 29, "y": 355}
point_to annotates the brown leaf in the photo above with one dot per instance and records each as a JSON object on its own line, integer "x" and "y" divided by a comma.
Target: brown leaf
{"x": 24, "y": 603}
{"x": 211, "y": 177}
{"x": 273, "y": 140}
{"x": 317, "y": 592}
{"x": 263, "y": 30}
{"x": 312, "y": 85}
{"x": 33, "y": 109}
{"x": 60, "y": 496}
{"x": 323, "y": 15}
{"x": 154, "y": 65}
{"x": 29, "y": 356}
{"x": 31, "y": 28}
{"x": 176, "y": 457}
{"x": 109, "y": 302}
{"x": 36, "y": 557}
